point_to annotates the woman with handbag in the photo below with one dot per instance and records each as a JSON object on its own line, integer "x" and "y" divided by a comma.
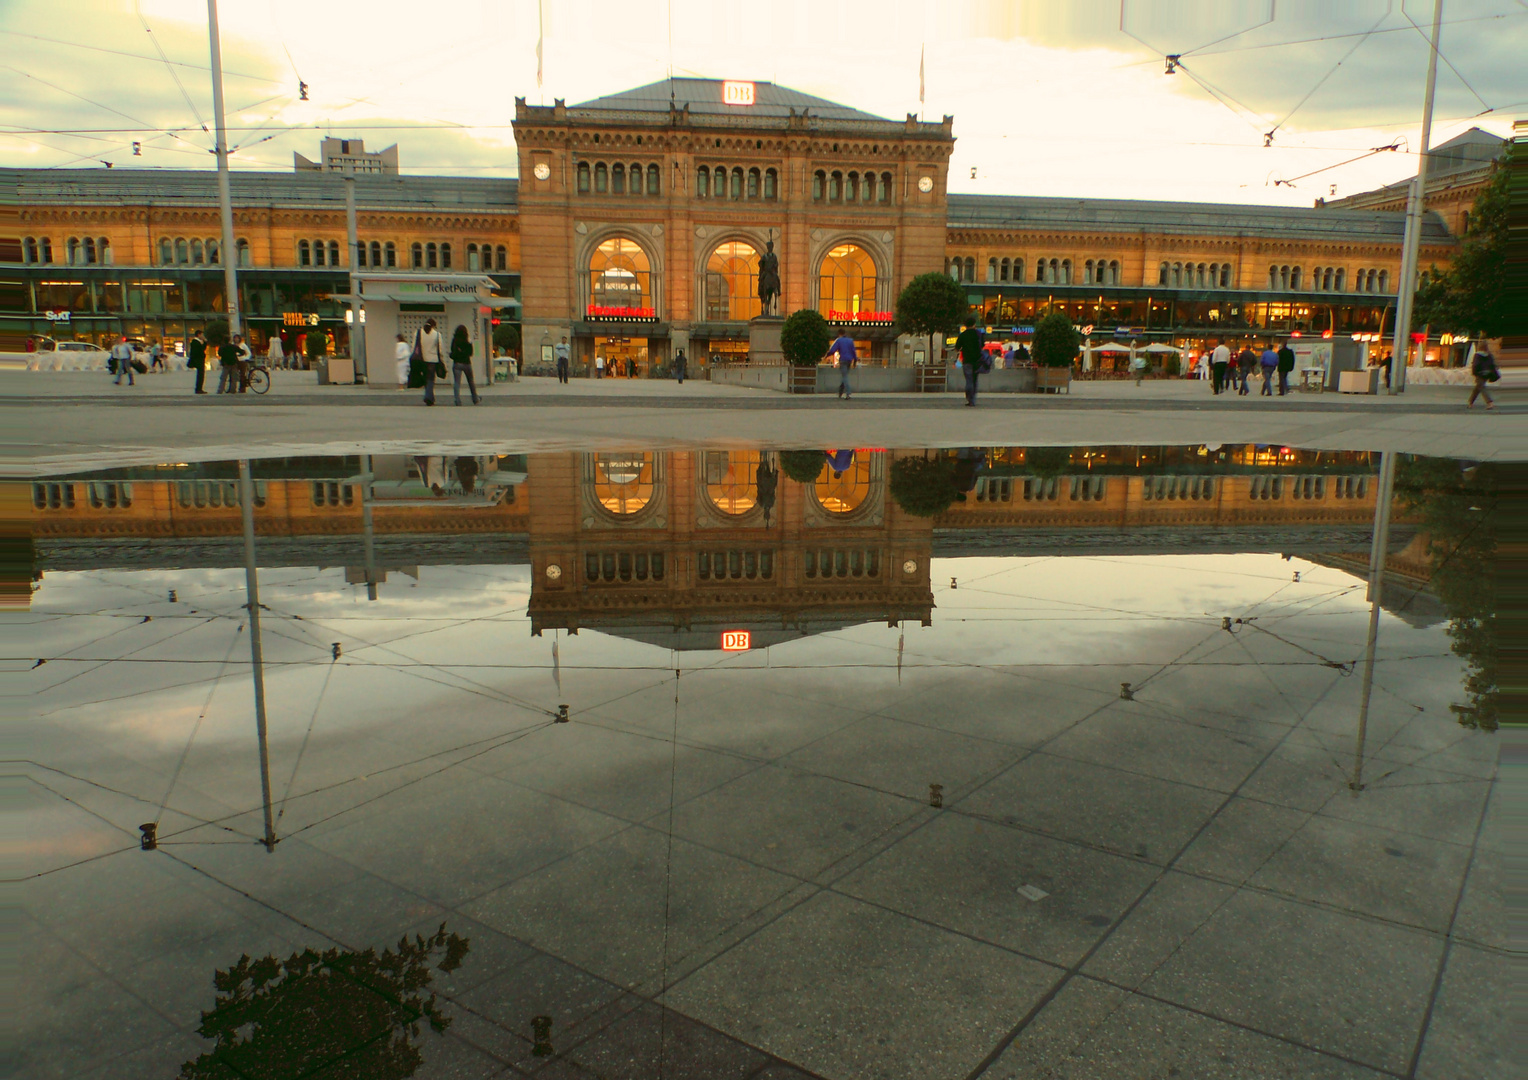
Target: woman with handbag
{"x": 461, "y": 363}
{"x": 432, "y": 353}
{"x": 1483, "y": 367}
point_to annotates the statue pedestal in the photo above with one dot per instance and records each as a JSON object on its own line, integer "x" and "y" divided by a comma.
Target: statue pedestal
{"x": 764, "y": 339}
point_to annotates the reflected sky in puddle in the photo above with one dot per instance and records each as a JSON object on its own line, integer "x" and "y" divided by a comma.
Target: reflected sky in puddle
{"x": 1060, "y": 774}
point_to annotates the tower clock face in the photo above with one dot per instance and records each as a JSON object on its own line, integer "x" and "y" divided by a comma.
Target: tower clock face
{"x": 925, "y": 184}
{"x": 543, "y": 170}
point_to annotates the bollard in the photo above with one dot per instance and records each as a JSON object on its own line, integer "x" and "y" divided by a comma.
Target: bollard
{"x": 562, "y": 715}
{"x": 1125, "y": 692}
{"x": 172, "y": 596}
{"x": 334, "y": 650}
{"x": 936, "y": 796}
{"x": 541, "y": 1028}
{"x": 150, "y": 840}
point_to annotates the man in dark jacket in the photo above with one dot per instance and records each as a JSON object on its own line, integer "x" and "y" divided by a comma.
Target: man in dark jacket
{"x": 969, "y": 345}
{"x": 1286, "y": 365}
{"x": 680, "y": 363}
{"x": 1246, "y": 364}
{"x": 228, "y": 375}
{"x": 196, "y": 360}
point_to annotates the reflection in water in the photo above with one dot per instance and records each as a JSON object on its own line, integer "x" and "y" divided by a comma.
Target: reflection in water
{"x": 333, "y": 1014}
{"x": 1454, "y": 506}
{"x": 623, "y": 483}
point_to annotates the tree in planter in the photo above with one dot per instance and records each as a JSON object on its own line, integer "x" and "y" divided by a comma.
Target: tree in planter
{"x": 1056, "y": 341}
{"x": 802, "y": 466}
{"x": 506, "y": 336}
{"x": 805, "y": 337}
{"x": 314, "y": 346}
{"x": 923, "y": 487}
{"x": 931, "y": 304}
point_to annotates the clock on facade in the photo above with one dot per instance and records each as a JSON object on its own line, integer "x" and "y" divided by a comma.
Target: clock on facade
{"x": 543, "y": 170}
{"x": 925, "y": 184}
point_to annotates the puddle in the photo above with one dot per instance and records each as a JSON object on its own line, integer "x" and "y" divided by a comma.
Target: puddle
{"x": 860, "y": 762}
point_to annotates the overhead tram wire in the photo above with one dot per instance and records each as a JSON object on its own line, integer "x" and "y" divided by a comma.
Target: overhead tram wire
{"x": 1322, "y": 81}
{"x": 1442, "y": 56}
{"x": 137, "y": 56}
{"x": 138, "y": 10}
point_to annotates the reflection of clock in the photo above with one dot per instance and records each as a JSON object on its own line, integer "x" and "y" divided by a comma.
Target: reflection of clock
{"x": 910, "y": 567}
{"x": 925, "y": 184}
{"x": 553, "y": 572}
{"x": 543, "y": 170}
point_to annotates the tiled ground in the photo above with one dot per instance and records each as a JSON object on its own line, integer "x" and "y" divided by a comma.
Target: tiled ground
{"x": 750, "y": 881}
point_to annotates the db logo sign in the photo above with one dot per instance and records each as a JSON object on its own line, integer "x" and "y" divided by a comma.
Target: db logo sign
{"x": 735, "y": 640}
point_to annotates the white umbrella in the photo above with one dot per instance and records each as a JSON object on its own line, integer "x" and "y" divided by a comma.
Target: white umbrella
{"x": 1157, "y": 346}
{"x": 1112, "y": 348}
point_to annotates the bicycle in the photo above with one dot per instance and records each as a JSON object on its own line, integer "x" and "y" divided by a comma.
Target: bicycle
{"x": 258, "y": 379}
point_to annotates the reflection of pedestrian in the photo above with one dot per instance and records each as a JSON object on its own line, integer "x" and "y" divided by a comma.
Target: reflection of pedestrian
{"x": 561, "y": 351}
{"x": 843, "y": 348}
{"x": 680, "y": 364}
{"x": 1219, "y": 359}
{"x": 461, "y": 363}
{"x": 1483, "y": 367}
{"x": 1286, "y": 365}
{"x": 970, "y": 462}
{"x": 969, "y": 345}
{"x": 432, "y": 472}
{"x": 766, "y": 479}
{"x": 839, "y": 461}
{"x": 467, "y": 474}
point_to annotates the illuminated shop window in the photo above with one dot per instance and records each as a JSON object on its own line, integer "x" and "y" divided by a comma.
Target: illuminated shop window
{"x": 623, "y": 483}
{"x": 845, "y": 492}
{"x": 732, "y": 280}
{"x": 620, "y": 275}
{"x": 731, "y": 480}
{"x": 846, "y": 280}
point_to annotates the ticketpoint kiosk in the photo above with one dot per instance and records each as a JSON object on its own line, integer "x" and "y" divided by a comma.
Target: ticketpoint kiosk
{"x": 401, "y": 302}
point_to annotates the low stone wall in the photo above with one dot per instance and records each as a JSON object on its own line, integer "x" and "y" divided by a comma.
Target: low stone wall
{"x": 760, "y": 376}
{"x": 868, "y": 380}
{"x": 996, "y": 381}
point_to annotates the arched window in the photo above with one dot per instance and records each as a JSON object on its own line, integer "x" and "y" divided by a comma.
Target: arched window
{"x": 1199, "y": 275}
{"x": 636, "y": 178}
{"x": 31, "y": 249}
{"x": 167, "y": 252}
{"x": 851, "y": 187}
{"x": 970, "y": 274}
{"x": 1162, "y": 271}
{"x": 732, "y": 282}
{"x": 1340, "y": 282}
{"x": 445, "y": 256}
{"x": 846, "y": 280}
{"x": 991, "y": 271}
{"x": 884, "y": 194}
{"x": 1326, "y": 280}
{"x": 601, "y": 179}
{"x": 1066, "y": 271}
{"x": 844, "y": 492}
{"x": 213, "y": 253}
{"x": 1002, "y": 270}
{"x": 182, "y": 252}
{"x": 819, "y": 185}
{"x": 1018, "y": 270}
{"x": 498, "y": 261}
{"x": 241, "y": 251}
{"x": 1113, "y": 271}
{"x": 583, "y": 178}
{"x": 304, "y": 254}
{"x": 318, "y": 253}
{"x": 952, "y": 267}
{"x": 737, "y": 184}
{"x": 719, "y": 181}
{"x": 1384, "y": 281}
{"x": 1273, "y": 277}
{"x": 654, "y": 180}
{"x": 1284, "y": 278}
{"x": 196, "y": 253}
{"x": 1225, "y": 275}
{"x": 472, "y": 258}
{"x": 1294, "y": 278}
{"x": 771, "y": 184}
{"x": 754, "y": 178}
{"x": 390, "y": 254}
{"x": 1464, "y": 222}
{"x": 618, "y": 179}
{"x": 416, "y": 253}
{"x": 731, "y": 478}
{"x": 1087, "y": 271}
{"x": 835, "y": 187}
{"x": 72, "y": 250}
{"x": 623, "y": 482}
{"x": 431, "y": 256}
{"x": 376, "y": 253}
{"x": 702, "y": 182}
{"x": 620, "y": 275}
{"x": 90, "y": 249}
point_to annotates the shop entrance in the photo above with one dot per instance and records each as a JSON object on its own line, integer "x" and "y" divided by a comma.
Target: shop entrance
{"x": 625, "y": 357}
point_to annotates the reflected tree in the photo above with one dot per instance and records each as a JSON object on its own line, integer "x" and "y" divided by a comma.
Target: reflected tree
{"x": 1048, "y": 462}
{"x": 337, "y": 1014}
{"x": 802, "y": 466}
{"x": 1455, "y": 508}
{"x": 923, "y": 487}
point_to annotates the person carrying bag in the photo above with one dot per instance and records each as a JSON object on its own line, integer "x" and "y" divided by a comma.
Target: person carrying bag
{"x": 432, "y": 354}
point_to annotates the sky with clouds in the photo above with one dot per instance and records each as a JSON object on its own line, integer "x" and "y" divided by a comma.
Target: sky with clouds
{"x": 1048, "y": 98}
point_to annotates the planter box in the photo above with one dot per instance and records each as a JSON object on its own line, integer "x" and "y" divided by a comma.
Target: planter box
{"x": 998, "y": 381}
{"x": 1053, "y": 378}
{"x": 931, "y": 378}
{"x": 803, "y": 380}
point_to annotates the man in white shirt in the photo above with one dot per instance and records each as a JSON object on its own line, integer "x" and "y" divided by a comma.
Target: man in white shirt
{"x": 562, "y": 352}
{"x": 433, "y": 352}
{"x": 122, "y": 354}
{"x": 1218, "y": 361}
{"x": 599, "y": 366}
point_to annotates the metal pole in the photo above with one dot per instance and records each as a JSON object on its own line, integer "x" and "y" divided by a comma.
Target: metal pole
{"x": 1415, "y": 203}
{"x": 257, "y": 659}
{"x": 357, "y": 328}
{"x": 225, "y": 198}
{"x": 368, "y": 540}
{"x": 1377, "y": 553}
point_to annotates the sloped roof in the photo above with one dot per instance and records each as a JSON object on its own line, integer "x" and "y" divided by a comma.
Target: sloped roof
{"x": 1470, "y": 150}
{"x": 199, "y": 188}
{"x": 1183, "y": 219}
{"x": 704, "y": 96}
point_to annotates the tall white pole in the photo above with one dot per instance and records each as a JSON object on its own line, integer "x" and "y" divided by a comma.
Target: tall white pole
{"x": 1415, "y": 203}
{"x": 225, "y": 199}
{"x": 357, "y": 329}
{"x": 256, "y": 655}
{"x": 1378, "y": 551}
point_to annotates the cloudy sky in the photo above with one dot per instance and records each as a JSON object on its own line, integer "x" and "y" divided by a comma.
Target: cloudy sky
{"x": 1048, "y": 98}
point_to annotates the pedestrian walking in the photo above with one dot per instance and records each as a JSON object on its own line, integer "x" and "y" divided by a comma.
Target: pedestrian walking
{"x": 969, "y": 344}
{"x": 156, "y": 358}
{"x": 461, "y": 363}
{"x": 599, "y": 366}
{"x": 680, "y": 363}
{"x": 1286, "y": 365}
{"x": 1483, "y": 367}
{"x": 432, "y": 352}
{"x": 122, "y": 361}
{"x": 246, "y": 355}
{"x": 1385, "y": 363}
{"x": 561, "y": 350}
{"x": 402, "y": 350}
{"x": 1138, "y": 365}
{"x": 228, "y": 368}
{"x": 196, "y": 360}
{"x": 1269, "y": 362}
{"x": 1220, "y": 359}
{"x": 843, "y": 348}
{"x": 1246, "y": 364}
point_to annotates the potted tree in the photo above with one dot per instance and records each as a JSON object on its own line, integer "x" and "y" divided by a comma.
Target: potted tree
{"x": 804, "y": 339}
{"x": 1055, "y": 347}
{"x": 931, "y": 304}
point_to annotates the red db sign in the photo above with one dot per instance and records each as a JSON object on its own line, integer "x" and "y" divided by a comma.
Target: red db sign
{"x": 735, "y": 641}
